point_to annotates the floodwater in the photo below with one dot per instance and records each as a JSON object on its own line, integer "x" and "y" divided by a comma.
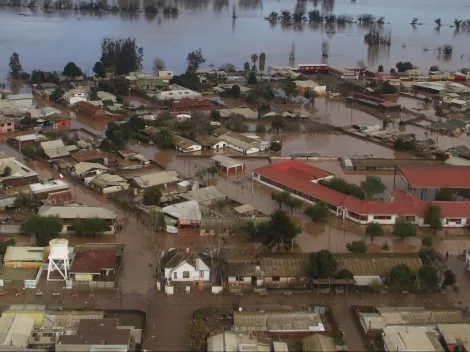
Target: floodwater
{"x": 49, "y": 40}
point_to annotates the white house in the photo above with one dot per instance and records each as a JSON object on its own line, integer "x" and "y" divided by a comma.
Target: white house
{"x": 75, "y": 96}
{"x": 106, "y": 96}
{"x": 21, "y": 100}
{"x": 186, "y": 266}
{"x": 177, "y": 94}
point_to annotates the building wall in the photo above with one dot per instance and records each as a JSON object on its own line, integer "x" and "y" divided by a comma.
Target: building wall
{"x": 112, "y": 189}
{"x": 24, "y": 265}
{"x": 75, "y": 100}
{"x": 194, "y": 275}
{"x": 7, "y": 127}
{"x": 193, "y": 148}
{"x": 83, "y": 277}
{"x": 219, "y": 145}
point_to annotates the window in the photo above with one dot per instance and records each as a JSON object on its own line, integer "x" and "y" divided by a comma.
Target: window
{"x": 240, "y": 278}
{"x": 382, "y": 217}
{"x": 455, "y": 221}
{"x": 276, "y": 278}
{"x": 3, "y": 125}
{"x": 175, "y": 275}
{"x": 9, "y": 124}
{"x": 185, "y": 274}
{"x": 410, "y": 218}
{"x": 201, "y": 273}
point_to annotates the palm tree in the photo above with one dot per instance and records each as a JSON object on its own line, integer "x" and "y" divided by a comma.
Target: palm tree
{"x": 286, "y": 15}
{"x": 273, "y": 16}
{"x": 315, "y": 16}
{"x": 299, "y": 17}
{"x": 262, "y": 61}
{"x": 165, "y": 136}
{"x": 254, "y": 59}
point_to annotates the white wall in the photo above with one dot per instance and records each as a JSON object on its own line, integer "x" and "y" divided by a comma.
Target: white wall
{"x": 194, "y": 275}
{"x": 220, "y": 144}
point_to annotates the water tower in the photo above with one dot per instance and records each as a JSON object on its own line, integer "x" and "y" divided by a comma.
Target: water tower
{"x": 58, "y": 258}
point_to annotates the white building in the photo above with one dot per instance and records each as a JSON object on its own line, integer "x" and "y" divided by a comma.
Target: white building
{"x": 75, "y": 96}
{"x": 186, "y": 266}
{"x": 21, "y": 100}
{"x": 177, "y": 94}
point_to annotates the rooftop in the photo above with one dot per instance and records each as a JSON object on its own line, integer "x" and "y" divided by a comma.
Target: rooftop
{"x": 182, "y": 142}
{"x": 107, "y": 180}
{"x": 232, "y": 342}
{"x": 59, "y": 198}
{"x": 93, "y": 262}
{"x": 318, "y": 343}
{"x": 20, "y": 96}
{"x": 226, "y": 161}
{"x": 276, "y": 321}
{"x": 17, "y": 168}
{"x": 377, "y": 264}
{"x": 24, "y": 254}
{"x": 83, "y": 167}
{"x": 73, "y": 212}
{"x": 155, "y": 179}
{"x": 89, "y": 155}
{"x": 54, "y": 185}
{"x": 437, "y": 176}
{"x": 15, "y": 330}
{"x": 205, "y": 194}
{"x": 97, "y": 332}
{"x": 411, "y": 338}
{"x": 456, "y": 334}
{"x": 188, "y": 210}
{"x": 18, "y": 274}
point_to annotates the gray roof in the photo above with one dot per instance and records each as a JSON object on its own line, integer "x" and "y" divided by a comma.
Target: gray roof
{"x": 106, "y": 180}
{"x": 55, "y": 149}
{"x": 318, "y": 343}
{"x": 73, "y": 212}
{"x": 84, "y": 166}
{"x": 20, "y": 96}
{"x": 188, "y": 210}
{"x": 156, "y": 179}
{"x": 226, "y": 161}
{"x": 15, "y": 330}
{"x": 275, "y": 321}
{"x": 205, "y": 194}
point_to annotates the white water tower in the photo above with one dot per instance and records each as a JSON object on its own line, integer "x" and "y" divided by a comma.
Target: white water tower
{"x": 58, "y": 258}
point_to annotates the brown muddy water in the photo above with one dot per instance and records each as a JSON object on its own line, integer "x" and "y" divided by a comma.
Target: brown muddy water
{"x": 49, "y": 40}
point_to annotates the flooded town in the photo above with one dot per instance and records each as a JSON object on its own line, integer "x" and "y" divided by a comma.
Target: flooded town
{"x": 305, "y": 189}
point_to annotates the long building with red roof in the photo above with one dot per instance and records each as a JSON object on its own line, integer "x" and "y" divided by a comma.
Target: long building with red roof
{"x": 301, "y": 180}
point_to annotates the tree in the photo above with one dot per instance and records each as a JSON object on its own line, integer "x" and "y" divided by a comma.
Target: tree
{"x": 44, "y": 227}
{"x": 215, "y": 115}
{"x": 24, "y": 201}
{"x": 246, "y": 67}
{"x": 373, "y": 230}
{"x": 89, "y": 226}
{"x": 197, "y": 331}
{"x": 99, "y": 69}
{"x": 446, "y": 194}
{"x": 357, "y": 247}
{"x": 408, "y": 146}
{"x": 280, "y": 197}
{"x": 195, "y": 59}
{"x": 107, "y": 146}
{"x": 71, "y": 70}
{"x": 432, "y": 217}
{"x": 290, "y": 89}
{"x": 30, "y": 152}
{"x": 235, "y": 91}
{"x": 372, "y": 186}
{"x": 228, "y": 68}
{"x": 200, "y": 174}
{"x": 400, "y": 276}
{"x": 281, "y": 230}
{"x": 158, "y": 65}
{"x": 322, "y": 265}
{"x": 427, "y": 241}
{"x": 381, "y": 68}
{"x": 124, "y": 205}
{"x": 317, "y": 212}
{"x": 434, "y": 68}
{"x": 403, "y": 229}
{"x": 262, "y": 61}
{"x": 449, "y": 278}
{"x": 345, "y": 274}
{"x": 15, "y": 66}
{"x": 254, "y": 59}
{"x": 260, "y": 128}
{"x": 278, "y": 123}
{"x": 6, "y": 171}
{"x": 275, "y": 147}
{"x": 212, "y": 170}
{"x": 121, "y": 55}
{"x": 152, "y": 196}
{"x": 94, "y": 94}
{"x": 57, "y": 94}
{"x": 385, "y": 247}
{"x": 404, "y": 66}
{"x": 252, "y": 80}
{"x": 428, "y": 276}
{"x": 325, "y": 48}
{"x": 156, "y": 220}
{"x": 387, "y": 88}
{"x": 294, "y": 203}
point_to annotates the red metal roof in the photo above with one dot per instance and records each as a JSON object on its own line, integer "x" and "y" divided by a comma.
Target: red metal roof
{"x": 87, "y": 155}
{"x": 93, "y": 262}
{"x": 57, "y": 198}
{"x": 89, "y": 106}
{"x": 437, "y": 176}
{"x": 186, "y": 103}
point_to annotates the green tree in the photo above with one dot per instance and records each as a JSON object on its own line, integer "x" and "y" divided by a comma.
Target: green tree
{"x": 201, "y": 174}
{"x": 158, "y": 65}
{"x": 215, "y": 115}
{"x": 157, "y": 220}
{"x": 433, "y": 217}
{"x": 15, "y": 66}
{"x": 280, "y": 198}
{"x": 373, "y": 230}
{"x": 246, "y": 68}
{"x": 427, "y": 241}
{"x": 400, "y": 276}
{"x": 387, "y": 88}
{"x": 6, "y": 171}
{"x": 94, "y": 94}
{"x": 290, "y": 89}
{"x": 99, "y": 70}
{"x": 235, "y": 91}
{"x": 275, "y": 147}
{"x": 262, "y": 61}
{"x": 213, "y": 170}
{"x": 252, "y": 80}
{"x": 165, "y": 138}
{"x": 404, "y": 66}
{"x": 428, "y": 276}
{"x": 372, "y": 186}
{"x": 294, "y": 203}
{"x": 322, "y": 265}
{"x": 278, "y": 123}
{"x": 449, "y": 278}
{"x": 44, "y": 227}
{"x": 260, "y": 128}
{"x": 71, "y": 70}
{"x": 90, "y": 226}
{"x": 317, "y": 212}
{"x": 345, "y": 274}
{"x": 30, "y": 152}
{"x": 24, "y": 201}
{"x": 446, "y": 195}
{"x": 385, "y": 247}
{"x": 254, "y": 59}
{"x": 281, "y": 230}
{"x": 403, "y": 229}
{"x": 381, "y": 68}
{"x": 197, "y": 332}
{"x": 121, "y": 55}
{"x": 57, "y": 94}
{"x": 124, "y": 205}
{"x": 152, "y": 196}
{"x": 195, "y": 59}
{"x": 357, "y": 247}
{"x": 107, "y": 146}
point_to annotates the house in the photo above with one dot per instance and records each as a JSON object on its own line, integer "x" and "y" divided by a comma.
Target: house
{"x": 106, "y": 183}
{"x": 86, "y": 169}
{"x": 210, "y": 142}
{"x": 28, "y": 139}
{"x": 458, "y": 88}
{"x": 56, "y": 122}
{"x": 59, "y": 198}
{"x": 42, "y": 190}
{"x": 296, "y": 323}
{"x": 71, "y": 213}
{"x": 45, "y": 89}
{"x": 189, "y": 104}
{"x": 205, "y": 196}
{"x": 374, "y": 102}
{"x": 186, "y": 266}
{"x": 462, "y": 124}
{"x": 75, "y": 96}
{"x": 24, "y": 257}
{"x": 20, "y": 174}
{"x": 97, "y": 335}
{"x": 15, "y": 331}
{"x": 185, "y": 145}
{"x": 162, "y": 179}
{"x": 411, "y": 338}
{"x": 458, "y": 105}
{"x": 277, "y": 271}
{"x": 228, "y": 341}
{"x": 446, "y": 128}
{"x": 21, "y": 100}
{"x": 7, "y": 125}
{"x": 103, "y": 96}
{"x": 93, "y": 155}
{"x": 309, "y": 85}
{"x": 227, "y": 164}
{"x": 312, "y": 68}
{"x": 54, "y": 149}
{"x": 93, "y": 111}
{"x": 455, "y": 337}
{"x": 149, "y": 134}
{"x": 95, "y": 266}
{"x": 185, "y": 215}
{"x": 318, "y": 343}
{"x": 177, "y": 94}
{"x": 342, "y": 73}
{"x": 430, "y": 87}
{"x": 240, "y": 143}
{"x": 150, "y": 83}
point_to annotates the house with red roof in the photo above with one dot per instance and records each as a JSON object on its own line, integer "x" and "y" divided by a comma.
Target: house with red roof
{"x": 302, "y": 181}
{"x": 95, "y": 266}
{"x": 95, "y": 112}
{"x": 187, "y": 104}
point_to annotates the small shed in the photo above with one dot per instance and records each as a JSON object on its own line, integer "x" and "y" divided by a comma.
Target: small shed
{"x": 228, "y": 164}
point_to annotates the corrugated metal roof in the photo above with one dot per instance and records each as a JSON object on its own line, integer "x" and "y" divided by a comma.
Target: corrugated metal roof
{"x": 73, "y": 212}
{"x": 24, "y": 254}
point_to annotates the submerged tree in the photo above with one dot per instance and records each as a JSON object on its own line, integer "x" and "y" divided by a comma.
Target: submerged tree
{"x": 121, "y": 55}
{"x": 325, "y": 48}
{"x": 158, "y": 65}
{"x": 15, "y": 66}
{"x": 262, "y": 61}
{"x": 195, "y": 59}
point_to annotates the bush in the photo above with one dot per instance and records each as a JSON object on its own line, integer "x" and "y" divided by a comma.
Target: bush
{"x": 427, "y": 241}
{"x": 385, "y": 247}
{"x": 342, "y": 186}
{"x": 260, "y": 128}
{"x": 408, "y": 146}
{"x": 152, "y": 196}
{"x": 357, "y": 247}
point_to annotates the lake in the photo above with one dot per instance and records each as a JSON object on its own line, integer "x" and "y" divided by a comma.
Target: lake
{"x": 49, "y": 40}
